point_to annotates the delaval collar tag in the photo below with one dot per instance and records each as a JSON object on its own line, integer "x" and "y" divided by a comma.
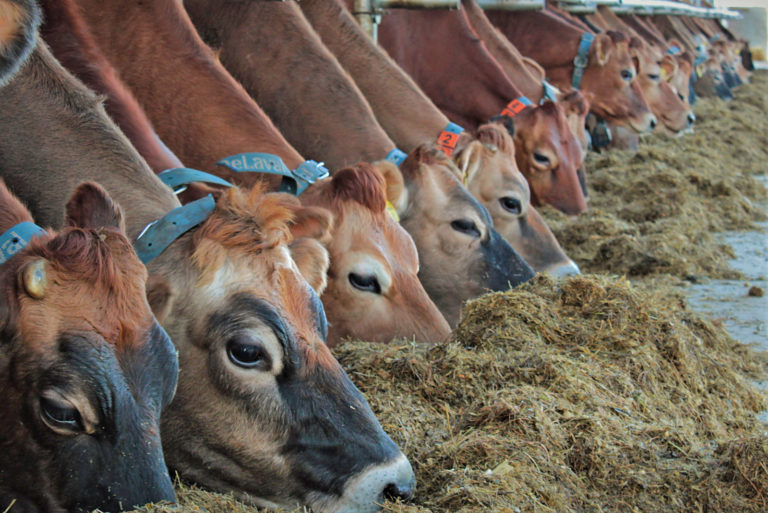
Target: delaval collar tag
{"x": 17, "y": 238}
{"x": 179, "y": 177}
{"x": 550, "y": 92}
{"x": 294, "y": 182}
{"x": 581, "y": 59}
{"x": 449, "y": 137}
{"x": 160, "y": 234}
{"x": 396, "y": 156}
{"x": 673, "y": 50}
{"x": 516, "y": 106}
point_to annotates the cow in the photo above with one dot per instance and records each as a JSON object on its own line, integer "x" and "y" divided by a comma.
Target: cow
{"x": 440, "y": 214}
{"x": 86, "y": 369}
{"x": 489, "y": 171}
{"x": 606, "y": 74}
{"x": 248, "y": 326}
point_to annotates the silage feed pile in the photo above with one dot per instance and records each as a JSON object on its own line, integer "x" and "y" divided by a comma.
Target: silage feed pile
{"x": 655, "y": 212}
{"x": 596, "y": 394}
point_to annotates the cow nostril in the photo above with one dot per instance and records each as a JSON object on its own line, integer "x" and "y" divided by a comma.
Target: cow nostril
{"x": 393, "y": 492}
{"x": 653, "y": 123}
{"x": 691, "y": 118}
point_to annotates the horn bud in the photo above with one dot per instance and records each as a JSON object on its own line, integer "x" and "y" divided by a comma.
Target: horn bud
{"x": 35, "y": 279}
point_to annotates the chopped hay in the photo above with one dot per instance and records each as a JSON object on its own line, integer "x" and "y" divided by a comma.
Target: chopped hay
{"x": 656, "y": 211}
{"x": 596, "y": 396}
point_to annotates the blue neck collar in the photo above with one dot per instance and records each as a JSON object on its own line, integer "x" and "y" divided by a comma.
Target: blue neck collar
{"x": 396, "y": 156}
{"x": 581, "y": 59}
{"x": 17, "y": 238}
{"x": 294, "y": 182}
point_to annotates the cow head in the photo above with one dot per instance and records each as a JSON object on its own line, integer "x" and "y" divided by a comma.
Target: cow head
{"x": 680, "y": 80}
{"x": 263, "y": 409}
{"x": 460, "y": 252}
{"x": 84, "y": 367}
{"x": 373, "y": 292}
{"x": 610, "y": 84}
{"x": 549, "y": 156}
{"x": 653, "y": 71}
{"x": 487, "y": 163}
{"x": 710, "y": 81}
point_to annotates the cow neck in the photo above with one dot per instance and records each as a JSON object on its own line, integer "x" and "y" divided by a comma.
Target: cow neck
{"x": 17, "y": 238}
{"x": 508, "y": 57}
{"x": 343, "y": 129}
{"x": 199, "y": 110}
{"x": 443, "y": 55}
{"x": 74, "y": 141}
{"x": 72, "y": 45}
{"x": 401, "y": 107}
{"x": 530, "y": 33}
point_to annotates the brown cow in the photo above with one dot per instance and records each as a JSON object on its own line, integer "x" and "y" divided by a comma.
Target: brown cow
{"x": 490, "y": 173}
{"x": 86, "y": 370}
{"x": 249, "y": 329}
{"x": 609, "y": 76}
{"x": 373, "y": 290}
{"x": 441, "y": 215}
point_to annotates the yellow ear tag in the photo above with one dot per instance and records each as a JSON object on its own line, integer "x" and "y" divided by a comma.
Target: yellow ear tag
{"x": 664, "y": 73}
{"x": 393, "y": 212}
{"x": 700, "y": 69}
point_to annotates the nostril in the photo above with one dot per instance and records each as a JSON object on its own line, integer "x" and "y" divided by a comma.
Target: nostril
{"x": 393, "y": 491}
{"x": 653, "y": 123}
{"x": 691, "y": 118}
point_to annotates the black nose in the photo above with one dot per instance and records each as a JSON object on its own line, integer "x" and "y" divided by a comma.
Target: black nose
{"x": 404, "y": 492}
{"x": 691, "y": 118}
{"x": 653, "y": 123}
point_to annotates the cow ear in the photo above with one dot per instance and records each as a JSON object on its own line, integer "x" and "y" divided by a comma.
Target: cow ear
{"x": 603, "y": 48}
{"x": 468, "y": 161}
{"x": 668, "y": 67}
{"x": 396, "y": 192}
{"x": 312, "y": 260}
{"x": 312, "y": 222}
{"x": 90, "y": 206}
{"x": 159, "y": 296}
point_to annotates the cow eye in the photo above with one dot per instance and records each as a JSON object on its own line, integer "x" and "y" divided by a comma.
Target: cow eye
{"x": 246, "y": 354}
{"x": 61, "y": 416}
{"x": 511, "y": 204}
{"x": 540, "y": 158}
{"x": 654, "y": 77}
{"x": 627, "y": 75}
{"x": 467, "y": 227}
{"x": 368, "y": 283}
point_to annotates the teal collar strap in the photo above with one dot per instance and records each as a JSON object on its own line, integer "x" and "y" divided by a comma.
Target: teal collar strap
{"x": 550, "y": 92}
{"x": 179, "y": 177}
{"x": 396, "y": 156}
{"x": 294, "y": 182}
{"x": 581, "y": 59}
{"x": 160, "y": 234}
{"x": 16, "y": 239}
